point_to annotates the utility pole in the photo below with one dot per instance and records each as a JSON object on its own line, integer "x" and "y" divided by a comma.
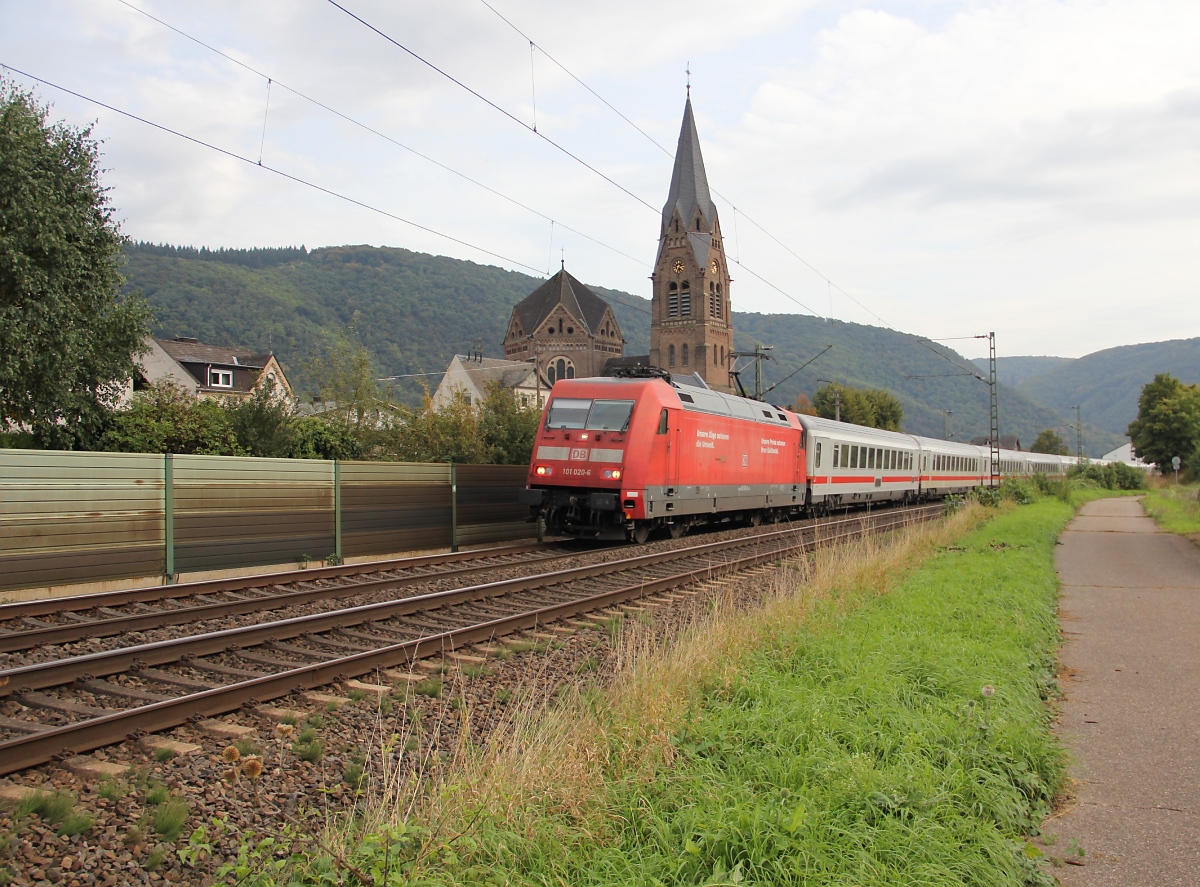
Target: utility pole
{"x": 537, "y": 371}
{"x": 837, "y": 400}
{"x": 1078, "y": 431}
{"x": 994, "y": 409}
{"x": 945, "y": 415}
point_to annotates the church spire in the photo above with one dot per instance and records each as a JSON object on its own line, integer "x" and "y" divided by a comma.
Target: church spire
{"x": 689, "y": 183}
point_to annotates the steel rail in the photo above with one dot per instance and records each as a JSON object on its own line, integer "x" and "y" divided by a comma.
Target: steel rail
{"x": 62, "y": 671}
{"x": 114, "y": 625}
{"x": 81, "y": 602}
{"x": 28, "y": 751}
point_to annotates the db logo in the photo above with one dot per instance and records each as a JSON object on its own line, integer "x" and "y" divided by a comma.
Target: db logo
{"x": 580, "y": 454}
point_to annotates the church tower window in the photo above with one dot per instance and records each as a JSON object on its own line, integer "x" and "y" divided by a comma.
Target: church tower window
{"x": 671, "y": 356}
{"x": 685, "y": 355}
{"x": 672, "y": 300}
{"x": 685, "y": 299}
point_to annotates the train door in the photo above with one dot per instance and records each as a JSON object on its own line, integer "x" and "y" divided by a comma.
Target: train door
{"x": 669, "y": 425}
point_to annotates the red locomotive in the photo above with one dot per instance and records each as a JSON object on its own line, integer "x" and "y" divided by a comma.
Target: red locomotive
{"x": 618, "y": 458}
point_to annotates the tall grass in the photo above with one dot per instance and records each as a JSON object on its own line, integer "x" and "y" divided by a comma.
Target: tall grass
{"x": 840, "y": 734}
{"x": 1175, "y": 508}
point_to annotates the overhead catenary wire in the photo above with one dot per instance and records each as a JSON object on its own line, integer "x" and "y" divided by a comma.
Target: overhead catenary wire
{"x": 490, "y": 103}
{"x": 542, "y": 135}
{"x": 378, "y": 133}
{"x": 278, "y": 172}
{"x": 666, "y": 151}
{"x": 554, "y": 222}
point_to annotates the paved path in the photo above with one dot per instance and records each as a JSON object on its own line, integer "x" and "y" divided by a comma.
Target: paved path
{"x": 1131, "y": 717}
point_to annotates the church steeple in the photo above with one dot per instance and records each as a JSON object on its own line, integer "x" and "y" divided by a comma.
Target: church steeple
{"x": 689, "y": 197}
{"x": 690, "y": 327}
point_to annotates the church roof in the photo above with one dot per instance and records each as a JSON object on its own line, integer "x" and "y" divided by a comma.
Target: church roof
{"x": 689, "y": 189}
{"x": 561, "y": 289}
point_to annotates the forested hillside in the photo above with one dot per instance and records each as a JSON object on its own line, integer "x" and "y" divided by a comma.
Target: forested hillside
{"x": 1107, "y": 383}
{"x": 1015, "y": 370}
{"x": 414, "y": 311}
{"x": 926, "y": 377}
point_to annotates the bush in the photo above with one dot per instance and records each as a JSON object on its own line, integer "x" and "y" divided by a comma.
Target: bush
{"x": 1114, "y": 476}
{"x": 1017, "y": 490}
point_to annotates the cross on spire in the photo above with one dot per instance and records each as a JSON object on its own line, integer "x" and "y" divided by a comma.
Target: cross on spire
{"x": 688, "y": 71}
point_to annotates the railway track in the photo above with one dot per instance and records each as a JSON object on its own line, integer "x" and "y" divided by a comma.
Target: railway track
{"x": 27, "y": 625}
{"x": 66, "y": 706}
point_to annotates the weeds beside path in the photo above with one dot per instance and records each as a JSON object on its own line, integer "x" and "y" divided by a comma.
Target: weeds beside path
{"x": 881, "y": 722}
{"x": 1176, "y": 509}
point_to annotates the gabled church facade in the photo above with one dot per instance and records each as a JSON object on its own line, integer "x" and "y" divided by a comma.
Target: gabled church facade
{"x": 569, "y": 329}
{"x": 691, "y": 327}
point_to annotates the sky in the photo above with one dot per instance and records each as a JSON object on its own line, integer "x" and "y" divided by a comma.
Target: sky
{"x": 943, "y": 168}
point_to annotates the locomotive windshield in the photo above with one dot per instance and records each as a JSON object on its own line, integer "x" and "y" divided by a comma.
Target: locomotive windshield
{"x": 568, "y": 412}
{"x": 598, "y": 415}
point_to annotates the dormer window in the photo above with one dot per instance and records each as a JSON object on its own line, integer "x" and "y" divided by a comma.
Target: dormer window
{"x": 220, "y": 378}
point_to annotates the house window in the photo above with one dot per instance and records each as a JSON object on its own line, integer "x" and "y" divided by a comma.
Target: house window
{"x": 220, "y": 378}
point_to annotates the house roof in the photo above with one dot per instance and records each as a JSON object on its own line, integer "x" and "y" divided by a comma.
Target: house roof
{"x": 508, "y": 373}
{"x": 188, "y": 350}
{"x": 689, "y": 190}
{"x": 561, "y": 289}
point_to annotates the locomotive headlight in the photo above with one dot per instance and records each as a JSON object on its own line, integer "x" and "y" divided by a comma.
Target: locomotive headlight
{"x": 611, "y": 473}
{"x": 583, "y": 436}
{"x": 543, "y": 470}
{"x": 616, "y": 474}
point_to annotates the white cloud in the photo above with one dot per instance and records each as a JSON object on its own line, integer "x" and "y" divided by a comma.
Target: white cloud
{"x": 958, "y": 166}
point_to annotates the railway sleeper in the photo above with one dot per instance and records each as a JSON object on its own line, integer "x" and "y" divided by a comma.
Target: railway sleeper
{"x": 64, "y": 706}
{"x": 108, "y": 688}
{"x": 173, "y": 680}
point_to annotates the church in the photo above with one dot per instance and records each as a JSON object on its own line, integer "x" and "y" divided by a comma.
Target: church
{"x": 568, "y": 331}
{"x": 691, "y": 325}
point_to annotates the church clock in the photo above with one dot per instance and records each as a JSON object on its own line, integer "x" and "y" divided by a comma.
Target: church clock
{"x": 678, "y": 266}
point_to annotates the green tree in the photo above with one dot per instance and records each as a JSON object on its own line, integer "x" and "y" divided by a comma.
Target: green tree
{"x": 508, "y": 427}
{"x": 314, "y": 437}
{"x": 889, "y": 413}
{"x": 835, "y": 399}
{"x": 263, "y": 423}
{"x": 67, "y": 341}
{"x": 449, "y": 434}
{"x": 345, "y": 373}
{"x": 873, "y": 408}
{"x": 1168, "y": 423}
{"x": 498, "y": 430}
{"x": 164, "y": 418}
{"x": 1050, "y": 442}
